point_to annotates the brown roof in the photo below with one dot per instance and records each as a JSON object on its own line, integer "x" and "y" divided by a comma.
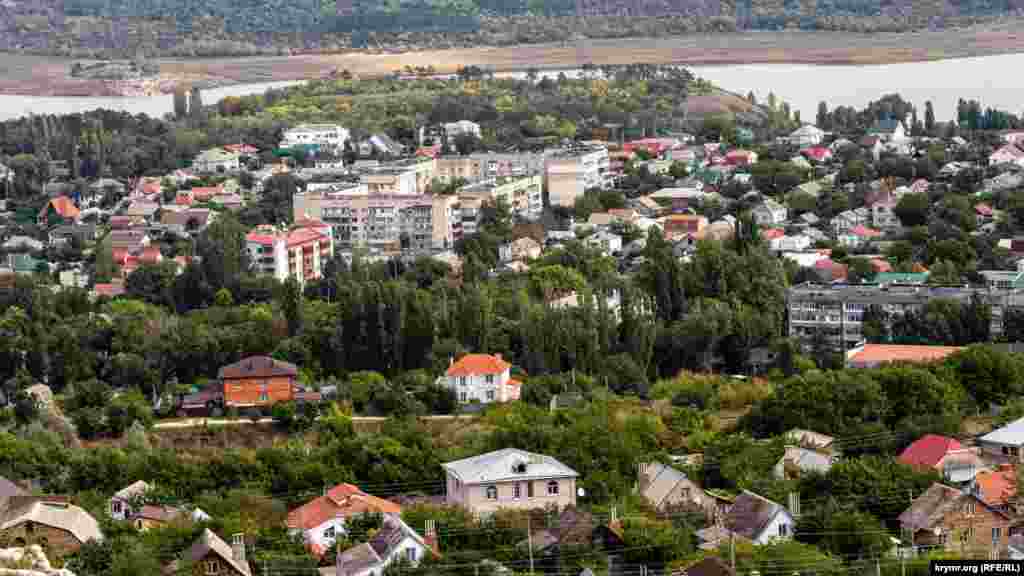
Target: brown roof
{"x": 710, "y": 566}
{"x": 750, "y": 514}
{"x": 343, "y": 500}
{"x": 997, "y": 487}
{"x": 929, "y": 508}
{"x": 159, "y": 513}
{"x": 257, "y": 367}
{"x": 209, "y": 542}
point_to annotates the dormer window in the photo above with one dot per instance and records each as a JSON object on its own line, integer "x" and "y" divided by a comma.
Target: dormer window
{"x": 519, "y": 467}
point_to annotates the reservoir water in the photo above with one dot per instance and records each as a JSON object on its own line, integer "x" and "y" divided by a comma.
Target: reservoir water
{"x": 993, "y": 80}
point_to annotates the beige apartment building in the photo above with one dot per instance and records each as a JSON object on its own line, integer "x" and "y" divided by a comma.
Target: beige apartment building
{"x": 570, "y": 173}
{"x": 485, "y": 165}
{"x": 524, "y": 194}
{"x": 404, "y": 177}
{"x": 509, "y": 478}
{"x": 385, "y": 222}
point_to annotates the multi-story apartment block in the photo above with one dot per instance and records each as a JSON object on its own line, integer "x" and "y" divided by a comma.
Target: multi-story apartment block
{"x": 523, "y": 195}
{"x": 329, "y": 137}
{"x": 405, "y": 177}
{"x": 836, "y": 311}
{"x": 569, "y": 173}
{"x": 484, "y": 165}
{"x": 298, "y": 253}
{"x": 381, "y": 221}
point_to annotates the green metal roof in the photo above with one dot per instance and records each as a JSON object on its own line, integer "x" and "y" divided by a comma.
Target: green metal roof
{"x": 901, "y": 277}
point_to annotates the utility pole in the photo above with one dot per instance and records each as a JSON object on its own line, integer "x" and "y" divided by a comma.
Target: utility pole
{"x": 732, "y": 551}
{"x": 529, "y": 540}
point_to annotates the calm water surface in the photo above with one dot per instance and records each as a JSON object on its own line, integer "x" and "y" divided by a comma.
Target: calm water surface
{"x": 995, "y": 81}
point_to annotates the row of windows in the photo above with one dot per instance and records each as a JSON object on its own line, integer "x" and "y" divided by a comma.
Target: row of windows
{"x": 517, "y": 491}
{"x": 464, "y": 396}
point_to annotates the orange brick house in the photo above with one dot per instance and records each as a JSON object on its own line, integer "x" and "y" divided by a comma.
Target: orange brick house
{"x": 957, "y": 521}
{"x": 258, "y": 381}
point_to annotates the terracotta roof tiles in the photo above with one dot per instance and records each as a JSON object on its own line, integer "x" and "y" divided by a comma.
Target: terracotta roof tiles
{"x": 474, "y": 364}
{"x": 928, "y": 451}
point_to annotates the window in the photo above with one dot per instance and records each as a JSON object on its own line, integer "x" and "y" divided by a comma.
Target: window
{"x": 116, "y": 506}
{"x": 211, "y": 567}
{"x": 463, "y": 396}
{"x": 529, "y": 489}
{"x": 783, "y": 530}
{"x": 996, "y": 534}
{"x": 410, "y": 554}
{"x": 264, "y": 397}
{"x": 492, "y": 493}
{"x": 490, "y": 378}
{"x": 516, "y": 491}
{"x": 329, "y": 533}
{"x": 462, "y": 380}
{"x": 490, "y": 395}
{"x": 552, "y": 488}
{"x": 969, "y": 508}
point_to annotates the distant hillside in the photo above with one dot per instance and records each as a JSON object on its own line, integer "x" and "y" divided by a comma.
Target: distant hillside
{"x": 84, "y": 28}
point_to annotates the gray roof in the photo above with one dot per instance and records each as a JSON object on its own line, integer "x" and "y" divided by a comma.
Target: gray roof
{"x": 750, "y": 514}
{"x": 391, "y": 534}
{"x": 500, "y": 466}
{"x": 210, "y": 542}
{"x": 662, "y": 481}
{"x": 60, "y": 515}
{"x": 1012, "y": 434}
{"x": 807, "y": 460}
{"x": 358, "y": 558}
{"x": 8, "y": 489}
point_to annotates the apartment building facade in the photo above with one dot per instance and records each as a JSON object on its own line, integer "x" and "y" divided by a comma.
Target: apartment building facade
{"x": 329, "y": 137}
{"x": 298, "y": 253}
{"x": 569, "y": 173}
{"x": 485, "y": 165}
{"x": 401, "y": 222}
{"x": 405, "y": 177}
{"x": 836, "y": 311}
{"x": 524, "y": 195}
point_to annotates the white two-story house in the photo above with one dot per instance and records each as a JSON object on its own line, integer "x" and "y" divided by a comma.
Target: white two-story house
{"x": 509, "y": 478}
{"x": 482, "y": 378}
{"x": 322, "y": 520}
{"x": 395, "y": 540}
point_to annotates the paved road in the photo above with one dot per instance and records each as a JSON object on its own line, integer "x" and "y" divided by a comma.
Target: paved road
{"x": 213, "y": 422}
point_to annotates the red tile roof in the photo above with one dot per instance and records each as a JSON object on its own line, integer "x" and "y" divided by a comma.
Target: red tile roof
{"x": 344, "y": 500}
{"x": 928, "y": 451}
{"x": 151, "y": 255}
{"x": 260, "y": 238}
{"x": 475, "y": 364}
{"x": 204, "y": 193}
{"x": 983, "y": 209}
{"x": 865, "y": 232}
{"x": 817, "y": 152}
{"x": 302, "y": 236}
{"x": 184, "y": 198}
{"x": 109, "y": 290}
{"x": 773, "y": 233}
{"x": 880, "y": 265}
{"x": 63, "y": 206}
{"x": 872, "y": 354}
{"x": 241, "y": 148}
{"x": 997, "y": 487}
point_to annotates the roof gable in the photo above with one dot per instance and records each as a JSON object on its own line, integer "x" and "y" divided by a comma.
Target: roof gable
{"x": 257, "y": 367}
{"x": 750, "y": 514}
{"x": 477, "y": 364}
{"x": 928, "y": 450}
{"x": 508, "y": 464}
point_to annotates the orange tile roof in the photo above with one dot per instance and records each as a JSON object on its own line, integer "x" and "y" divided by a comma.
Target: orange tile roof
{"x": 997, "y": 487}
{"x": 63, "y": 206}
{"x": 474, "y": 364}
{"x": 345, "y": 501}
{"x": 773, "y": 233}
{"x": 879, "y": 353}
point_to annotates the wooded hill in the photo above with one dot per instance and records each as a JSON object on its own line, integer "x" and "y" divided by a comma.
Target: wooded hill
{"x": 233, "y": 27}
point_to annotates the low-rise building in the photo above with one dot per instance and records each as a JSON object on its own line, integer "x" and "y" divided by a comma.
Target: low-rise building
{"x": 524, "y": 248}
{"x": 395, "y": 541}
{"x": 407, "y": 177}
{"x": 666, "y": 489}
{"x": 873, "y": 355}
{"x": 955, "y": 521}
{"x": 461, "y": 128}
{"x": 209, "y": 554}
{"x": 59, "y": 527}
{"x": 604, "y": 241}
{"x": 216, "y": 161}
{"x": 509, "y": 478}
{"x": 570, "y": 173}
{"x": 323, "y": 520}
{"x": 126, "y": 502}
{"x": 770, "y": 213}
{"x": 752, "y": 518}
{"x": 327, "y": 137}
{"x": 299, "y": 253}
{"x": 482, "y": 378}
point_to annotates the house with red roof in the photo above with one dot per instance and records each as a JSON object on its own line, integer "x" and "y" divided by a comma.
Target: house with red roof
{"x": 242, "y": 149}
{"x": 1009, "y": 154}
{"x": 858, "y": 236}
{"x": 323, "y": 520}
{"x": 483, "y": 379}
{"x": 997, "y": 488}
{"x": 984, "y": 213}
{"x": 741, "y": 158}
{"x": 929, "y": 451}
{"x": 59, "y": 210}
{"x": 817, "y": 153}
{"x": 206, "y": 193}
{"x": 831, "y": 271}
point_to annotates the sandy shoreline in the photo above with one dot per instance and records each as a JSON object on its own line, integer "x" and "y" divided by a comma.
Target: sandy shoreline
{"x": 46, "y": 76}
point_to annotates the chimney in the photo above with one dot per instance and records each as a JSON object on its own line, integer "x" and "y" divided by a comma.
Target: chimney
{"x": 238, "y": 547}
{"x": 430, "y": 536}
{"x": 794, "y": 504}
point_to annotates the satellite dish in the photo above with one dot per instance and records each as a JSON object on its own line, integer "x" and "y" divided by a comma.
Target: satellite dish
{"x": 581, "y": 492}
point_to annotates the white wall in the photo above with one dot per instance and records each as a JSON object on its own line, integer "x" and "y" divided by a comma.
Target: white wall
{"x": 399, "y": 552}
{"x": 317, "y": 536}
{"x": 772, "y": 530}
{"x": 476, "y": 387}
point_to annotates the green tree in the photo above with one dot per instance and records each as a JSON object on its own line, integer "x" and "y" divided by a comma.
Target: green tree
{"x": 912, "y": 209}
{"x": 223, "y": 252}
{"x": 291, "y": 305}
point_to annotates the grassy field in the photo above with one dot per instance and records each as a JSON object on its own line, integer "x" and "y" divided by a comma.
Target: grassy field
{"x": 21, "y": 74}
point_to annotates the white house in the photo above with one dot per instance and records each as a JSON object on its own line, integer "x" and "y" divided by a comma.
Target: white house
{"x": 606, "y": 242}
{"x": 509, "y": 478}
{"x": 1005, "y": 443}
{"x": 883, "y": 215}
{"x": 482, "y": 378}
{"x": 123, "y": 504}
{"x": 395, "y": 540}
{"x": 322, "y": 520}
{"x": 753, "y": 518}
{"x": 770, "y": 213}
{"x": 216, "y": 161}
{"x": 806, "y": 135}
{"x": 795, "y": 243}
{"x": 858, "y": 236}
{"x": 524, "y": 248}
{"x": 456, "y": 129}
{"x": 849, "y": 219}
{"x": 329, "y": 137}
